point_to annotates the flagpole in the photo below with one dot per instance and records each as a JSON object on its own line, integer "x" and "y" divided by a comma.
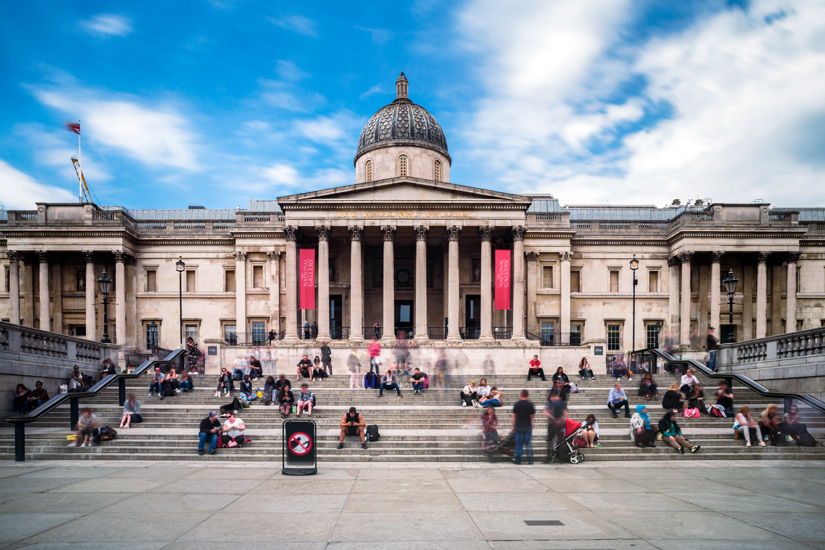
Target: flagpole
{"x": 80, "y": 161}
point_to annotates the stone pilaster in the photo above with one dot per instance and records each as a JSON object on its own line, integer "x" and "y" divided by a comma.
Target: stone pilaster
{"x": 453, "y": 277}
{"x": 684, "y": 324}
{"x": 762, "y": 295}
{"x": 356, "y": 289}
{"x": 14, "y": 287}
{"x": 323, "y": 281}
{"x": 715, "y": 292}
{"x": 91, "y": 316}
{"x": 274, "y": 290}
{"x": 565, "y": 257}
{"x": 674, "y": 267}
{"x": 518, "y": 282}
{"x": 486, "y": 235}
{"x": 240, "y": 294}
{"x": 790, "y": 294}
{"x": 532, "y": 291}
{"x": 43, "y": 271}
{"x": 388, "y": 325}
{"x": 291, "y": 328}
{"x": 421, "y": 232}
{"x": 120, "y": 298}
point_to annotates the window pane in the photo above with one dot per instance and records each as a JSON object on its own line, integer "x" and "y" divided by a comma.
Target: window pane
{"x": 614, "y": 281}
{"x": 258, "y": 333}
{"x": 404, "y": 313}
{"x": 575, "y": 335}
{"x": 548, "y": 330}
{"x": 229, "y": 281}
{"x": 152, "y": 336}
{"x": 613, "y": 337}
{"x": 191, "y": 331}
{"x": 230, "y": 334}
{"x": 652, "y": 340}
{"x": 575, "y": 281}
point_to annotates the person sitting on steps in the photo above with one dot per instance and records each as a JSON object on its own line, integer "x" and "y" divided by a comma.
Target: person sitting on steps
{"x": 86, "y": 426}
{"x": 76, "y": 382}
{"x": 562, "y": 383}
{"x": 285, "y": 400}
{"x": 171, "y": 384}
{"x": 210, "y": 429}
{"x": 35, "y": 398}
{"x": 745, "y": 424}
{"x": 156, "y": 383}
{"x": 648, "y": 387}
{"x": 483, "y": 388}
{"x": 792, "y": 424}
{"x": 247, "y": 392}
{"x": 186, "y": 382}
{"x": 352, "y": 424}
{"x": 697, "y": 399}
{"x": 641, "y": 432}
{"x": 672, "y": 434}
{"x": 318, "y": 372}
{"x": 590, "y": 433}
{"x": 769, "y": 423}
{"x": 724, "y": 397}
{"x": 305, "y": 400}
{"x": 493, "y": 399}
{"x": 535, "y": 369}
{"x": 417, "y": 380}
{"x": 131, "y": 412}
{"x": 233, "y": 430}
{"x": 304, "y": 368}
{"x": 584, "y": 369}
{"x": 469, "y": 395}
{"x": 389, "y": 382}
{"x": 687, "y": 382}
{"x": 224, "y": 383}
{"x": 672, "y": 399}
{"x": 616, "y": 400}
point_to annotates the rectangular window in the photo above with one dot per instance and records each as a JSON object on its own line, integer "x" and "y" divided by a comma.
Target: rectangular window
{"x": 653, "y": 281}
{"x": 547, "y": 276}
{"x": 575, "y": 281}
{"x": 190, "y": 331}
{"x": 190, "y": 280}
{"x": 575, "y": 335}
{"x": 230, "y": 334}
{"x": 652, "y": 335}
{"x": 229, "y": 280}
{"x": 476, "y": 270}
{"x": 257, "y": 276}
{"x": 548, "y": 331}
{"x": 152, "y": 335}
{"x": 614, "y": 281}
{"x": 80, "y": 280}
{"x": 151, "y": 280}
{"x": 258, "y": 333}
{"x": 614, "y": 336}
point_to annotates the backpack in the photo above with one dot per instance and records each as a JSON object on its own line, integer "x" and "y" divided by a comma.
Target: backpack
{"x": 718, "y": 411}
{"x": 107, "y": 433}
{"x": 370, "y": 380}
{"x": 805, "y": 439}
{"x": 372, "y": 433}
{"x": 574, "y": 388}
{"x": 691, "y": 413}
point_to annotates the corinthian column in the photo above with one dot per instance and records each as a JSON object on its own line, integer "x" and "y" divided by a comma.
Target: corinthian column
{"x": 45, "y": 315}
{"x": 421, "y": 232}
{"x": 274, "y": 290}
{"x": 790, "y": 299}
{"x": 323, "y": 282}
{"x": 684, "y": 325}
{"x": 715, "y": 290}
{"x": 453, "y": 332}
{"x": 356, "y": 293}
{"x": 91, "y": 318}
{"x": 762, "y": 295}
{"x": 14, "y": 287}
{"x": 518, "y": 282}
{"x": 389, "y": 283}
{"x": 566, "y": 256}
{"x": 486, "y": 234}
{"x": 291, "y": 329}
{"x": 120, "y": 298}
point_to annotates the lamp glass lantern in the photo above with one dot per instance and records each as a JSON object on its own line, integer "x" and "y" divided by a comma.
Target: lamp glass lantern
{"x": 634, "y": 264}
{"x": 179, "y": 265}
{"x": 730, "y": 283}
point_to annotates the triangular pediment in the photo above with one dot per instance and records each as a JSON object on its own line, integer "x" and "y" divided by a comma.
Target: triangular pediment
{"x": 409, "y": 191}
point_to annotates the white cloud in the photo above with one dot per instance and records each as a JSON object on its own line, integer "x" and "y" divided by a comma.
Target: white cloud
{"x": 108, "y": 25}
{"x": 156, "y": 136}
{"x": 288, "y": 70}
{"x": 377, "y": 89}
{"x": 20, "y": 191}
{"x": 745, "y": 91}
{"x": 296, "y": 23}
{"x": 336, "y": 130}
{"x": 280, "y": 174}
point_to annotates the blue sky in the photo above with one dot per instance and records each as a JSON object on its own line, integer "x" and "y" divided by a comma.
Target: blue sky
{"x": 214, "y": 103}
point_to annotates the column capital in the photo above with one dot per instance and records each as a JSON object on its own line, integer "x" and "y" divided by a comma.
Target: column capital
{"x": 389, "y": 232}
{"x": 673, "y": 261}
{"x": 89, "y": 256}
{"x": 421, "y": 232}
{"x": 793, "y": 257}
{"x": 14, "y": 256}
{"x": 717, "y": 256}
{"x": 120, "y": 256}
{"x": 42, "y": 256}
{"x": 355, "y": 232}
{"x": 274, "y": 254}
{"x": 240, "y": 256}
{"x": 686, "y": 256}
{"x": 485, "y": 232}
{"x": 763, "y": 257}
{"x": 291, "y": 233}
{"x": 532, "y": 256}
{"x": 323, "y": 232}
{"x": 566, "y": 256}
{"x": 518, "y": 232}
{"x": 453, "y": 232}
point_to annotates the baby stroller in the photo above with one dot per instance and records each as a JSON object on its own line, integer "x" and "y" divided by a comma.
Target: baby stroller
{"x": 506, "y": 447}
{"x": 564, "y": 450}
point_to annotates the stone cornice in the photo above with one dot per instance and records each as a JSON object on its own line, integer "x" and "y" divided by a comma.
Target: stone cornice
{"x": 617, "y": 241}
{"x": 182, "y": 242}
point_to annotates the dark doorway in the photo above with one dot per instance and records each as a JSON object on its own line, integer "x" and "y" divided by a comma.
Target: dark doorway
{"x": 472, "y": 316}
{"x": 404, "y": 317}
{"x": 336, "y": 309}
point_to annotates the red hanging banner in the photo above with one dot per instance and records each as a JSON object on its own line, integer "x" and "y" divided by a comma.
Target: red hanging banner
{"x": 502, "y": 298}
{"x": 306, "y": 278}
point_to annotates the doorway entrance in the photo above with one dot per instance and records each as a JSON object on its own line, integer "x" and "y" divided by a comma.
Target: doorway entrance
{"x": 404, "y": 321}
{"x": 472, "y": 316}
{"x": 336, "y": 317}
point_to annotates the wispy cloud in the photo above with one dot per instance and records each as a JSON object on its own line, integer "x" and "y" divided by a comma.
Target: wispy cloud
{"x": 377, "y": 89}
{"x": 296, "y": 23}
{"x": 108, "y": 25}
{"x": 20, "y": 191}
{"x": 157, "y": 136}
{"x": 289, "y": 71}
{"x": 379, "y": 36}
{"x": 289, "y": 97}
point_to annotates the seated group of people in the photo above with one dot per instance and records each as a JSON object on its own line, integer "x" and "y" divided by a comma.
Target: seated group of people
{"x": 314, "y": 370}
{"x": 25, "y": 399}
{"x": 170, "y": 384}
{"x": 231, "y": 432}
{"x": 644, "y": 434}
{"x": 480, "y": 396}
{"x": 279, "y": 392}
{"x": 779, "y": 430}
{"x": 691, "y": 390}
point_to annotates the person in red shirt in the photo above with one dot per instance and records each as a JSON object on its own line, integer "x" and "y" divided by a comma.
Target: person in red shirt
{"x": 535, "y": 369}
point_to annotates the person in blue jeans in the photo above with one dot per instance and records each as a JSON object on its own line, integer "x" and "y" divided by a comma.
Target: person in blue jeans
{"x": 157, "y": 382}
{"x": 713, "y": 348}
{"x": 37, "y": 397}
{"x": 417, "y": 380}
{"x": 210, "y": 429}
{"x": 388, "y": 382}
{"x": 524, "y": 413}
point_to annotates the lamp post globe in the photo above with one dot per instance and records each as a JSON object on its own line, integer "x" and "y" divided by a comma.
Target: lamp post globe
{"x": 104, "y": 283}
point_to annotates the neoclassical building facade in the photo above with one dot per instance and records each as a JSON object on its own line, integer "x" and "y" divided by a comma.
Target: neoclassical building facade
{"x": 407, "y": 249}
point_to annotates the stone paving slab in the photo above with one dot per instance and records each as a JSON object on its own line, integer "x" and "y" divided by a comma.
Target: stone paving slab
{"x": 695, "y": 504}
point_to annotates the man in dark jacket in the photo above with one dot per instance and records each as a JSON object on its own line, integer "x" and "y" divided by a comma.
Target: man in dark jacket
{"x": 713, "y": 348}
{"x": 326, "y": 357}
{"x": 210, "y": 428}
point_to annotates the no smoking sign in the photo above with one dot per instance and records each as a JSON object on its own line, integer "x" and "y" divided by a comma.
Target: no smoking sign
{"x": 299, "y": 444}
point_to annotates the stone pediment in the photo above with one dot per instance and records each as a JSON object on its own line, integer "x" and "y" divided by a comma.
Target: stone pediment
{"x": 404, "y": 193}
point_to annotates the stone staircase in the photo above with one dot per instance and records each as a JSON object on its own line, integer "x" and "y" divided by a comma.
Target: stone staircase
{"x": 430, "y": 427}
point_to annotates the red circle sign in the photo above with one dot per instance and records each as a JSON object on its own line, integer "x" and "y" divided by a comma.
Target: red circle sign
{"x": 299, "y": 444}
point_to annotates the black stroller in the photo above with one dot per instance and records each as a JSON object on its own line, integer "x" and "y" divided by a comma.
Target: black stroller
{"x": 565, "y": 449}
{"x": 505, "y": 447}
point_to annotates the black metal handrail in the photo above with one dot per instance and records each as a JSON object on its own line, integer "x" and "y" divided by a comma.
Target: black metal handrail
{"x": 73, "y": 397}
{"x": 744, "y": 380}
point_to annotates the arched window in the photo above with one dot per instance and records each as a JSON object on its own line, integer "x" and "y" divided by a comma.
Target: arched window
{"x": 403, "y": 163}
{"x": 368, "y": 171}
{"x": 437, "y": 170}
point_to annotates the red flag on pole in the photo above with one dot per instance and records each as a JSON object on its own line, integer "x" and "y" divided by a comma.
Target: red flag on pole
{"x": 73, "y": 127}
{"x": 502, "y": 298}
{"x": 306, "y": 278}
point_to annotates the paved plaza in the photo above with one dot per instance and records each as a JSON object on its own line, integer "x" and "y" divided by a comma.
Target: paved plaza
{"x": 609, "y": 505}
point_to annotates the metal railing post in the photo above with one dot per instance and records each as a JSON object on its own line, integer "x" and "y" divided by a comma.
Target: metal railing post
{"x": 19, "y": 441}
{"x": 73, "y": 413}
{"x": 121, "y": 391}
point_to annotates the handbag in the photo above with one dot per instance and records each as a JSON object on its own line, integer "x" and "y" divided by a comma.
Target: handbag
{"x": 691, "y": 413}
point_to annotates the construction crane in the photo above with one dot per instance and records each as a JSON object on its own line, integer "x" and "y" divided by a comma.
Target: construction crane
{"x": 84, "y": 188}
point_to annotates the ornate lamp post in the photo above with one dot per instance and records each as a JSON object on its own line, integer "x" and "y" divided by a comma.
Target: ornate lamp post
{"x": 153, "y": 335}
{"x": 634, "y": 265}
{"x": 105, "y": 285}
{"x": 180, "y": 266}
{"x": 730, "y": 286}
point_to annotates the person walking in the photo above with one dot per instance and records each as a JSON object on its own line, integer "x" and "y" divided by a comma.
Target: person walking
{"x": 375, "y": 355}
{"x": 524, "y": 413}
{"x": 556, "y": 412}
{"x": 326, "y": 357}
{"x": 713, "y": 348}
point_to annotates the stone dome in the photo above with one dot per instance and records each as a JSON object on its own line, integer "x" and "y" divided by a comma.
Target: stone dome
{"x": 402, "y": 122}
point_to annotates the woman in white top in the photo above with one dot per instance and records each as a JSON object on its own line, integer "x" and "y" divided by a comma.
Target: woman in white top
{"x": 687, "y": 382}
{"x": 483, "y": 388}
{"x": 131, "y": 412}
{"x": 744, "y": 423}
{"x": 233, "y": 430}
{"x": 590, "y": 434}
{"x": 469, "y": 395}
